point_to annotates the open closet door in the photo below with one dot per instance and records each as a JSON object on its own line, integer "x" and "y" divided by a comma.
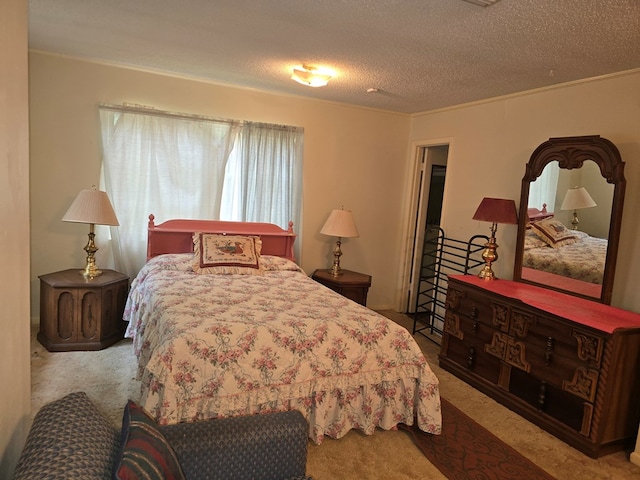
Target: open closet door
{"x": 428, "y": 210}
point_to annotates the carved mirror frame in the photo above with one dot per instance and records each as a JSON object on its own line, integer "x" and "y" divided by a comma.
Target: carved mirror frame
{"x": 570, "y": 153}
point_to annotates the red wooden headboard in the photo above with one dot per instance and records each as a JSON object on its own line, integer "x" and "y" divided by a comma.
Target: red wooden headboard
{"x": 536, "y": 215}
{"x": 176, "y": 236}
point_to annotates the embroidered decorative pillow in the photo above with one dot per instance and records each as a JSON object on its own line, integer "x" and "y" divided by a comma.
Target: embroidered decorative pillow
{"x": 226, "y": 254}
{"x": 553, "y": 232}
{"x": 145, "y": 453}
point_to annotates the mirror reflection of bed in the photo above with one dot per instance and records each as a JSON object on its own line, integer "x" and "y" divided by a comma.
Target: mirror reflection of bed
{"x": 566, "y": 247}
{"x": 576, "y": 265}
{"x": 570, "y": 216}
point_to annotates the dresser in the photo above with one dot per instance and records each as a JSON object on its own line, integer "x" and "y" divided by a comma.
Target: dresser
{"x": 81, "y": 314}
{"x": 353, "y": 285}
{"x": 569, "y": 365}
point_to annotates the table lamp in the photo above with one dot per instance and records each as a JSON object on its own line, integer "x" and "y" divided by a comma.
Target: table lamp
{"x": 575, "y": 199}
{"x": 494, "y": 210}
{"x": 93, "y": 207}
{"x": 342, "y": 225}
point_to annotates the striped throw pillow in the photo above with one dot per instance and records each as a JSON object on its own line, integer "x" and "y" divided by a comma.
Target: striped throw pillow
{"x": 144, "y": 453}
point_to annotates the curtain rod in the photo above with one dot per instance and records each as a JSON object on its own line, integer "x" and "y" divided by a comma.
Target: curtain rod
{"x": 146, "y": 110}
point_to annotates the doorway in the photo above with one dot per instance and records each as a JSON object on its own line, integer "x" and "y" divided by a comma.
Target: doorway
{"x": 431, "y": 175}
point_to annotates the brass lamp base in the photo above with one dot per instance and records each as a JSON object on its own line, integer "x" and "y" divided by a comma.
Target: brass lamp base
{"x": 575, "y": 221}
{"x": 90, "y": 269}
{"x": 489, "y": 256}
{"x": 337, "y": 253}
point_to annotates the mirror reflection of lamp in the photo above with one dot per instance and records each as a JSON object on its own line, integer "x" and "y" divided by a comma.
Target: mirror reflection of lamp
{"x": 575, "y": 199}
{"x": 494, "y": 210}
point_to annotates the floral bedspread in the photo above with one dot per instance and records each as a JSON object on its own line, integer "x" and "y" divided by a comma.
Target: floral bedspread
{"x": 224, "y": 345}
{"x": 583, "y": 260}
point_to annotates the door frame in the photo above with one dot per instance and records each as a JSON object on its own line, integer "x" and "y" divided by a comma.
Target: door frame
{"x": 416, "y": 199}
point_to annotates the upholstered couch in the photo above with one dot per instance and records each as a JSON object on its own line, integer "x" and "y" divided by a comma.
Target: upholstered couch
{"x": 71, "y": 438}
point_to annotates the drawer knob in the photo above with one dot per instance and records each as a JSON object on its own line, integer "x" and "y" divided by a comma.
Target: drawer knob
{"x": 542, "y": 396}
{"x": 548, "y": 351}
{"x": 474, "y": 312}
{"x": 471, "y": 357}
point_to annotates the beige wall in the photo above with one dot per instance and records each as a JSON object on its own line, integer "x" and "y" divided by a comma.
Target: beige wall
{"x": 352, "y": 157}
{"x": 491, "y": 142}
{"x": 15, "y": 400}
{"x": 362, "y": 159}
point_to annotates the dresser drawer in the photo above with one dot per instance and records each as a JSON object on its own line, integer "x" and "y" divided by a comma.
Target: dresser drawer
{"x": 567, "y": 341}
{"x": 564, "y": 373}
{"x": 469, "y": 304}
{"x": 470, "y": 354}
{"x": 551, "y": 400}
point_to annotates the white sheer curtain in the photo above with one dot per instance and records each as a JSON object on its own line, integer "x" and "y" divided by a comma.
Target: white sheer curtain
{"x": 167, "y": 165}
{"x": 264, "y": 175}
{"x": 543, "y": 190}
{"x": 183, "y": 166}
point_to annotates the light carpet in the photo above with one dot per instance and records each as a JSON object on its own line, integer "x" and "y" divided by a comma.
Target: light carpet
{"x": 108, "y": 377}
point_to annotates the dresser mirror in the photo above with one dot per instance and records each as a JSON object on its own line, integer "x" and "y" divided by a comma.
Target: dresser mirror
{"x": 570, "y": 215}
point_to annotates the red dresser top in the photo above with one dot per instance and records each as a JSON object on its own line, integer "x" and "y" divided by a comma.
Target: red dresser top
{"x": 586, "y": 312}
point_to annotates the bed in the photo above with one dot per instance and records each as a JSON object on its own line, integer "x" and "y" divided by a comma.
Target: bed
{"x": 221, "y": 342}
{"x": 551, "y": 247}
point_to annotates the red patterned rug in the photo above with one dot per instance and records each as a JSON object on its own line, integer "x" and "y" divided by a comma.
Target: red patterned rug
{"x": 467, "y": 451}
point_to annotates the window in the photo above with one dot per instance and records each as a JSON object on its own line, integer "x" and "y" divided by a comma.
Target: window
{"x": 183, "y": 166}
{"x": 543, "y": 190}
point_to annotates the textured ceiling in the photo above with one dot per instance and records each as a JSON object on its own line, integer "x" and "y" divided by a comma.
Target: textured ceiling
{"x": 420, "y": 55}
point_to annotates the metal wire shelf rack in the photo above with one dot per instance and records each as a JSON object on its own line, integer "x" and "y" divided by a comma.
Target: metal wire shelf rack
{"x": 442, "y": 256}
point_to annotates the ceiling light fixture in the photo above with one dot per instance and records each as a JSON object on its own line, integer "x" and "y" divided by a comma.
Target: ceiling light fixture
{"x": 311, "y": 76}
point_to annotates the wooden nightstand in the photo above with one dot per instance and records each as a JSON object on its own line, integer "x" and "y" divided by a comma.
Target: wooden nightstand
{"x": 79, "y": 314}
{"x": 352, "y": 285}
